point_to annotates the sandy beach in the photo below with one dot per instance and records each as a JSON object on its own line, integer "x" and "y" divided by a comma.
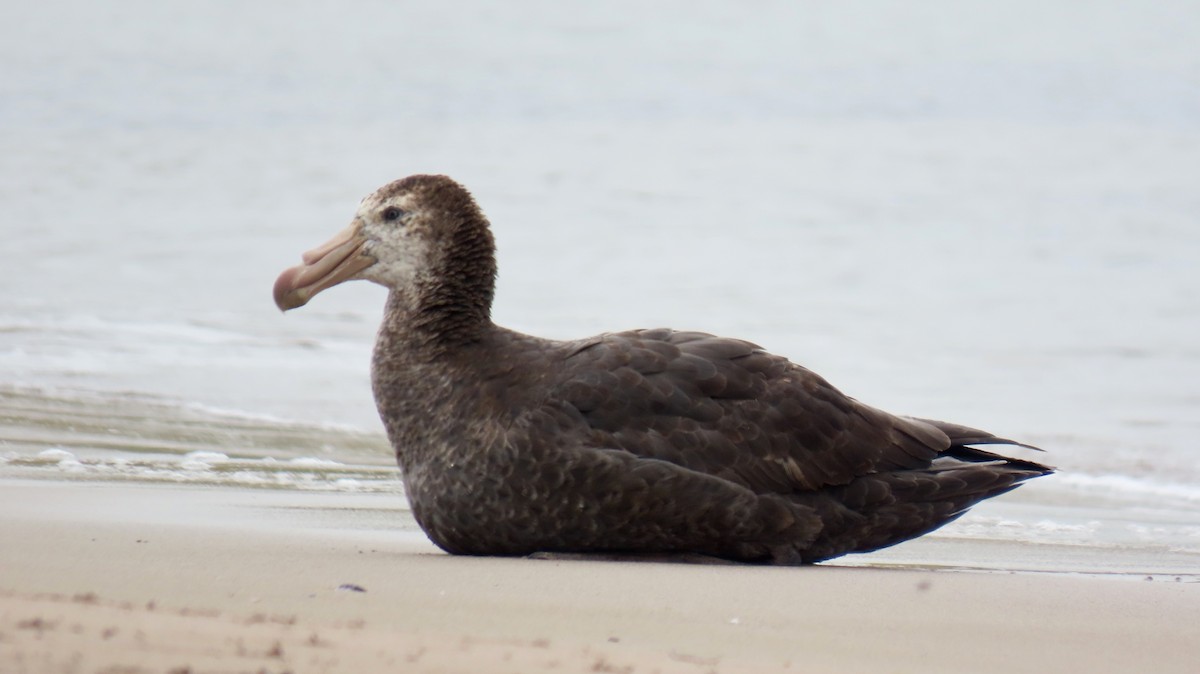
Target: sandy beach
{"x": 102, "y": 577}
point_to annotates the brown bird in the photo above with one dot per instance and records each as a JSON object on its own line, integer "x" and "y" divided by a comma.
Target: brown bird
{"x": 643, "y": 442}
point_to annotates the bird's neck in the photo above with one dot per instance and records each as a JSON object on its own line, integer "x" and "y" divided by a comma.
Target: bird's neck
{"x": 431, "y": 353}
{"x": 432, "y": 325}
{"x": 450, "y": 306}
{"x": 428, "y": 373}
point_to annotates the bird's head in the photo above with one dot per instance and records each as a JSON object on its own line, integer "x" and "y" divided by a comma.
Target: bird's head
{"x": 422, "y": 232}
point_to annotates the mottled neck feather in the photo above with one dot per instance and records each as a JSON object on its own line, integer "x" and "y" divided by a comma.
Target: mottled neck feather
{"x": 452, "y": 305}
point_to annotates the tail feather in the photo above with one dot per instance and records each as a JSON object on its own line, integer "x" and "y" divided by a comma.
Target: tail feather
{"x": 977, "y": 455}
{"x": 965, "y": 435}
{"x": 879, "y": 510}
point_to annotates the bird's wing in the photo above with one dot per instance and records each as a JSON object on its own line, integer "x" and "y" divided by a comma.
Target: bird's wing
{"x": 726, "y": 407}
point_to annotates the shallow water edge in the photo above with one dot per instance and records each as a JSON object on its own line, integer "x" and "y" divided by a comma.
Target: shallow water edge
{"x": 1066, "y": 523}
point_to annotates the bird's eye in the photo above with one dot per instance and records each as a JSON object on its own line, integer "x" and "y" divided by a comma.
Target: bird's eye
{"x": 391, "y": 214}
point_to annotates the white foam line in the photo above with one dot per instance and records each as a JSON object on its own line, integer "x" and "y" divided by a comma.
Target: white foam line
{"x": 1132, "y": 486}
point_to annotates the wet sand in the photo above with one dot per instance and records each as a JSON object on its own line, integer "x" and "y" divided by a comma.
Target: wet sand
{"x": 150, "y": 578}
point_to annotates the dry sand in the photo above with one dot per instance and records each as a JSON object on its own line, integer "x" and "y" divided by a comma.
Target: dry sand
{"x": 121, "y": 578}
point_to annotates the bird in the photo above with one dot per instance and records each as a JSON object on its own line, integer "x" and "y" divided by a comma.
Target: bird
{"x": 652, "y": 442}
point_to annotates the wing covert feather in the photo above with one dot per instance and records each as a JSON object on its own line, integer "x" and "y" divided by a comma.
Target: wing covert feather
{"x": 726, "y": 407}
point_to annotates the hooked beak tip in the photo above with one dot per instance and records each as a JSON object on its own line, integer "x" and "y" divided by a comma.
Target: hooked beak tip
{"x": 335, "y": 261}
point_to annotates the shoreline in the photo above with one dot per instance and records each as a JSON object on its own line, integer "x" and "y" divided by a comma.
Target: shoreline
{"x": 213, "y": 579}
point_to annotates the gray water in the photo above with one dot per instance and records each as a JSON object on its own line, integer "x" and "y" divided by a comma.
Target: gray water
{"x": 981, "y": 213}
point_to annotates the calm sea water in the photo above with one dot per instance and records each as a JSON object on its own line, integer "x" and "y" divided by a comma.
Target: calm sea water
{"x": 983, "y": 214}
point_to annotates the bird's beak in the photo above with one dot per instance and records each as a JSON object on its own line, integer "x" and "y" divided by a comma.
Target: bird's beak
{"x": 327, "y": 265}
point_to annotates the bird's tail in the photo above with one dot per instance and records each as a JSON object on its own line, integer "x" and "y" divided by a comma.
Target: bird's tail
{"x": 882, "y": 509}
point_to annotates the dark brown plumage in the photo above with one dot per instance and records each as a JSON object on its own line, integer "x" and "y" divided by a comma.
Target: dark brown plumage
{"x": 649, "y": 441}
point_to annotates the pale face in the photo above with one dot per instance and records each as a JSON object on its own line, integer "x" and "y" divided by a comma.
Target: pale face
{"x": 385, "y": 243}
{"x": 395, "y": 236}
